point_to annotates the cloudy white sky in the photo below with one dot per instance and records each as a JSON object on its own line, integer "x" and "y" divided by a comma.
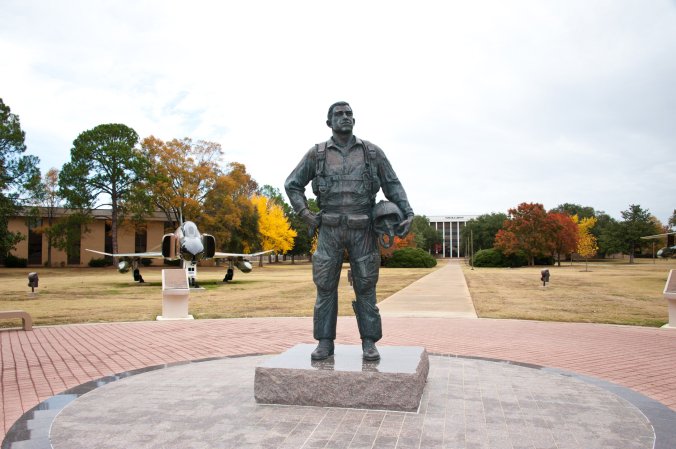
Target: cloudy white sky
{"x": 479, "y": 105}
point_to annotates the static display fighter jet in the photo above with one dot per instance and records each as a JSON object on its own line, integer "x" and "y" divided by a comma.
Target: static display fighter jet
{"x": 189, "y": 246}
{"x": 669, "y": 250}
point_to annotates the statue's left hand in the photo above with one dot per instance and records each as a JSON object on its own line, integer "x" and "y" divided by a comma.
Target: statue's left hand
{"x": 404, "y": 227}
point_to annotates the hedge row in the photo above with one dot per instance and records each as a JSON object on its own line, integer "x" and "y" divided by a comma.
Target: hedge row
{"x": 494, "y": 258}
{"x": 410, "y": 258}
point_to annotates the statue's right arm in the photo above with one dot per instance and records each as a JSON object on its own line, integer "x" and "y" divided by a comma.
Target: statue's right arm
{"x": 298, "y": 179}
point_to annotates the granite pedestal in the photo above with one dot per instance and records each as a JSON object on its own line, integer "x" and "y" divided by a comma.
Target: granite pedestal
{"x": 395, "y": 382}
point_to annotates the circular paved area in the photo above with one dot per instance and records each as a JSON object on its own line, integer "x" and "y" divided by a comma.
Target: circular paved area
{"x": 467, "y": 403}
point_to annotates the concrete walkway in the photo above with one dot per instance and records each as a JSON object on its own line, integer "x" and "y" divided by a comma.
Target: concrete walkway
{"x": 38, "y": 364}
{"x": 441, "y": 294}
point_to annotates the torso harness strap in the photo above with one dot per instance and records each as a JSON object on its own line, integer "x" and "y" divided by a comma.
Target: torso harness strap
{"x": 370, "y": 174}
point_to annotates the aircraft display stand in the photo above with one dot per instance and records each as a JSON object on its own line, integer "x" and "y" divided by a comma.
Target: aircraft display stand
{"x": 175, "y": 295}
{"x": 670, "y": 296}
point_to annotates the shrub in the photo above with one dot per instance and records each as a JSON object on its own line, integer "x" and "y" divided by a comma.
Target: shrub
{"x": 495, "y": 258}
{"x": 11, "y": 261}
{"x": 517, "y": 260}
{"x": 410, "y": 258}
{"x": 102, "y": 262}
{"x": 146, "y": 262}
{"x": 489, "y": 258}
{"x": 544, "y": 260}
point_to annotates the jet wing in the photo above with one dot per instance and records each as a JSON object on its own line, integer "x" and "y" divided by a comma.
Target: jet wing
{"x": 149, "y": 255}
{"x": 236, "y": 256}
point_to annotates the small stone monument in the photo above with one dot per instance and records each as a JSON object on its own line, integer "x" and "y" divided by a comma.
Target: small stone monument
{"x": 175, "y": 293}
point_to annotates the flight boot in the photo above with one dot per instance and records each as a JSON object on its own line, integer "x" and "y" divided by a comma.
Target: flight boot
{"x": 323, "y": 350}
{"x": 369, "y": 351}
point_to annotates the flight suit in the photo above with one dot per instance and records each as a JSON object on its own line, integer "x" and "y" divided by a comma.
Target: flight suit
{"x": 345, "y": 182}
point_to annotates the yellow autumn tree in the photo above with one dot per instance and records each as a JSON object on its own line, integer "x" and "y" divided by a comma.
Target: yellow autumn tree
{"x": 275, "y": 230}
{"x": 586, "y": 244}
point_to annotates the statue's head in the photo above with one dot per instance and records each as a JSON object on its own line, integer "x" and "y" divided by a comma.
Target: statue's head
{"x": 340, "y": 118}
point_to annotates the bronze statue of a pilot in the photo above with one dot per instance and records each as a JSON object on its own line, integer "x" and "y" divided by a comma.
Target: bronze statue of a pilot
{"x": 346, "y": 174}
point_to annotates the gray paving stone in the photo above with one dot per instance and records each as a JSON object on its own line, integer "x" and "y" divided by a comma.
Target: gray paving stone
{"x": 467, "y": 404}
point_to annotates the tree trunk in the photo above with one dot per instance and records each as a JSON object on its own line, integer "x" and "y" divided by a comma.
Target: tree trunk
{"x": 49, "y": 243}
{"x": 113, "y": 225}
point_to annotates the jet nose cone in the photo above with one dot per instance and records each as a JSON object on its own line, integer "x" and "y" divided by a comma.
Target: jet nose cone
{"x": 192, "y": 249}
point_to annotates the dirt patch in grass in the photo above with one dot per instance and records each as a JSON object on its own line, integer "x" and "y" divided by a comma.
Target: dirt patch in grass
{"x": 86, "y": 295}
{"x": 610, "y": 292}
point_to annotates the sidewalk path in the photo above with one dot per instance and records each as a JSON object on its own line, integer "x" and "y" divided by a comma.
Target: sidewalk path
{"x": 48, "y": 360}
{"x": 443, "y": 293}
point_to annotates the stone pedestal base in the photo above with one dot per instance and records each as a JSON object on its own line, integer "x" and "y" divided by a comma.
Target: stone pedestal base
{"x": 175, "y": 305}
{"x": 165, "y": 318}
{"x": 395, "y": 382}
{"x": 671, "y": 301}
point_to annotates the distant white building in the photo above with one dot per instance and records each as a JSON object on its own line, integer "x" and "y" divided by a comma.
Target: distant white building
{"x": 451, "y": 227}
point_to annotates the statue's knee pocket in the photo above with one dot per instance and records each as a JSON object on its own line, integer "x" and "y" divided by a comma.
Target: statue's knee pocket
{"x": 325, "y": 272}
{"x": 365, "y": 270}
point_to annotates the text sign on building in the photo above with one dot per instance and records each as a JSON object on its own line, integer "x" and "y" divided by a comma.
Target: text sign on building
{"x": 447, "y": 218}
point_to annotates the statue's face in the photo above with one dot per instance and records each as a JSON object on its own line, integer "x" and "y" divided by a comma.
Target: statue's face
{"x": 342, "y": 120}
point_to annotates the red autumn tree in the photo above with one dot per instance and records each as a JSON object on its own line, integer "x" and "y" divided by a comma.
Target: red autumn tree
{"x": 565, "y": 234}
{"x": 527, "y": 229}
{"x": 399, "y": 243}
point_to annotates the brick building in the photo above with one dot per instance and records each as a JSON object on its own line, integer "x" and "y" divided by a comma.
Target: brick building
{"x": 131, "y": 238}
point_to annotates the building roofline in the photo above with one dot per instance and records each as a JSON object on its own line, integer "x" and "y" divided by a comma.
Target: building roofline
{"x": 98, "y": 214}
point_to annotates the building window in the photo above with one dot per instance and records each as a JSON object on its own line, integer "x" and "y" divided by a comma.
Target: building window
{"x": 108, "y": 242}
{"x": 75, "y": 248}
{"x": 141, "y": 239}
{"x": 34, "y": 243}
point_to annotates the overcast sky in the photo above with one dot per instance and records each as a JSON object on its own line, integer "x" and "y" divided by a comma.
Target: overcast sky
{"x": 479, "y": 105}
